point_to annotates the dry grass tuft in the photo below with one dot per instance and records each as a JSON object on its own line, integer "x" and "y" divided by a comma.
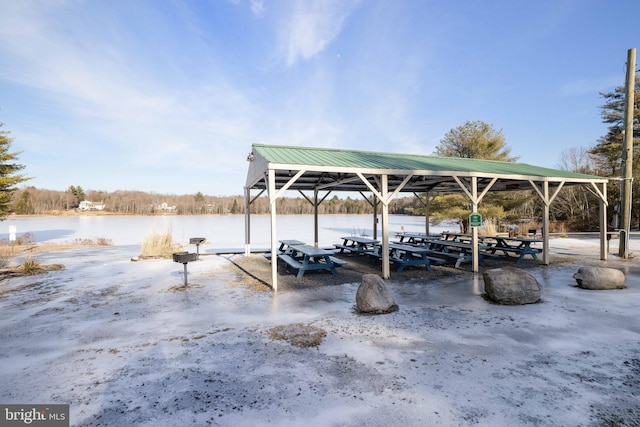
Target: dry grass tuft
{"x": 98, "y": 241}
{"x": 6, "y": 255}
{"x": 159, "y": 245}
{"x": 488, "y": 228}
{"x": 31, "y": 267}
{"x": 298, "y": 334}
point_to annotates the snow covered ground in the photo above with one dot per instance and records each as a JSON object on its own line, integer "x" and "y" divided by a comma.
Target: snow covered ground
{"x": 125, "y": 345}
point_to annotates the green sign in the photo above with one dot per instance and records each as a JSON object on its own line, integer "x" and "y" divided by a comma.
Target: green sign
{"x": 475, "y": 220}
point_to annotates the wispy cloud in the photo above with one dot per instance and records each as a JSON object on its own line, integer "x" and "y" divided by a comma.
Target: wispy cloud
{"x": 311, "y": 26}
{"x": 257, "y": 7}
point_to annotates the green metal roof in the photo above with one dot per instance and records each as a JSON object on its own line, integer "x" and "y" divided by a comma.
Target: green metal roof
{"x": 308, "y": 156}
{"x": 324, "y": 165}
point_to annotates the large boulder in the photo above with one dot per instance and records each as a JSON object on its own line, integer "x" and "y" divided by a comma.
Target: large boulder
{"x": 599, "y": 278}
{"x": 511, "y": 286}
{"x": 374, "y": 296}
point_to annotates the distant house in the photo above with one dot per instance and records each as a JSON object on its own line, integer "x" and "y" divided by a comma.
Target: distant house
{"x": 164, "y": 207}
{"x": 86, "y": 205}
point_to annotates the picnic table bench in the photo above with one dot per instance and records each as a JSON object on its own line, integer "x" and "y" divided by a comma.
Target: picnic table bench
{"x": 303, "y": 258}
{"x": 404, "y": 255}
{"x": 285, "y": 247}
{"x": 519, "y": 246}
{"x": 455, "y": 251}
{"x": 356, "y": 245}
{"x": 412, "y": 238}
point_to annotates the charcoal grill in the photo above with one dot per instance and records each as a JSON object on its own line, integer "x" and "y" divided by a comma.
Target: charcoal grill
{"x": 196, "y": 241}
{"x": 184, "y": 258}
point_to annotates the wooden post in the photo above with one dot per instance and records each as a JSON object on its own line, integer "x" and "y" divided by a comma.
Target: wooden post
{"x": 375, "y": 216}
{"x": 474, "y": 230}
{"x": 627, "y": 156}
{"x": 247, "y": 221}
{"x": 316, "y": 237}
{"x": 386, "y": 272}
{"x": 274, "y": 242}
{"x": 426, "y": 214}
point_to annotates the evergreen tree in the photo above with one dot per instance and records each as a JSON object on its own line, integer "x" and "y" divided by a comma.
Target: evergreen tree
{"x": 475, "y": 140}
{"x": 77, "y": 194}
{"x": 9, "y": 176}
{"x": 608, "y": 150}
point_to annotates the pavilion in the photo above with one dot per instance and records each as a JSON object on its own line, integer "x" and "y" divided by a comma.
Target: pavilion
{"x": 321, "y": 171}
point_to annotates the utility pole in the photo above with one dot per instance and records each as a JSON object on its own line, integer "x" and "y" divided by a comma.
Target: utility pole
{"x": 627, "y": 156}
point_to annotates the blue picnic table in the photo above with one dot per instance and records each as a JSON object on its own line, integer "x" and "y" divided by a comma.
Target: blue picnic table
{"x": 406, "y": 255}
{"x": 356, "y": 245}
{"x": 456, "y": 250}
{"x": 519, "y": 246}
{"x": 303, "y": 258}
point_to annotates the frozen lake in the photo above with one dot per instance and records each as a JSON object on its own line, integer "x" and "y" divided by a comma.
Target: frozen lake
{"x": 221, "y": 231}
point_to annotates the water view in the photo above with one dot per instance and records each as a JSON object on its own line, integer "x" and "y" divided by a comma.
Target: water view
{"x": 221, "y": 231}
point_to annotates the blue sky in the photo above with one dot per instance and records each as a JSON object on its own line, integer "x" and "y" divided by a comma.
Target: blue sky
{"x": 168, "y": 96}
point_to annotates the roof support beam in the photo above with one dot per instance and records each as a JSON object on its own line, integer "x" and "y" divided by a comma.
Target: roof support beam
{"x": 337, "y": 183}
{"x": 546, "y": 200}
{"x": 272, "y": 179}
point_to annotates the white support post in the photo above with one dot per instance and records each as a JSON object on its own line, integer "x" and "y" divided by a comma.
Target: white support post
{"x": 474, "y": 230}
{"x": 386, "y": 271}
{"x": 274, "y": 248}
{"x": 315, "y": 218}
{"x": 545, "y": 222}
{"x": 604, "y": 236}
{"x": 247, "y": 221}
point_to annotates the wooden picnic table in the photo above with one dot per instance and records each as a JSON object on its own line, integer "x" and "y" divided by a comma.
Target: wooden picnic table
{"x": 448, "y": 235}
{"x": 459, "y": 251}
{"x": 462, "y": 237}
{"x": 520, "y": 246}
{"x": 413, "y": 238}
{"x": 356, "y": 245}
{"x": 285, "y": 245}
{"x": 407, "y": 255}
{"x": 303, "y": 258}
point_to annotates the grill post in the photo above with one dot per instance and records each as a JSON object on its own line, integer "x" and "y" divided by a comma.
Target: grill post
{"x": 196, "y": 241}
{"x": 184, "y": 258}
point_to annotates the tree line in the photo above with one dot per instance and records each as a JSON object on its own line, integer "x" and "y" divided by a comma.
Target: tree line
{"x": 34, "y": 201}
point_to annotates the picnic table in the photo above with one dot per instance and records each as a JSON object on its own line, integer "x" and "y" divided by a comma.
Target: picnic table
{"x": 356, "y": 245}
{"x": 303, "y": 258}
{"x": 449, "y": 235}
{"x": 413, "y": 238}
{"x": 517, "y": 245}
{"x": 285, "y": 245}
{"x": 458, "y": 251}
{"x": 462, "y": 237}
{"x": 407, "y": 255}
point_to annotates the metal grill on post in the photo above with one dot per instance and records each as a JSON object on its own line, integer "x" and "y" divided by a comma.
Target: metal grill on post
{"x": 184, "y": 258}
{"x": 196, "y": 241}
